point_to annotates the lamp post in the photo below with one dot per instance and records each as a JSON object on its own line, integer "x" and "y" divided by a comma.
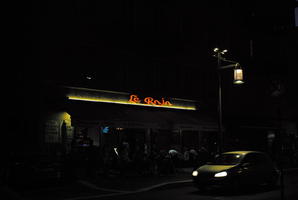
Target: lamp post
{"x": 238, "y": 79}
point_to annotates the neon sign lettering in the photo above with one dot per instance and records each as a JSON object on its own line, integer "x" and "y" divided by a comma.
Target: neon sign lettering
{"x": 134, "y": 99}
{"x": 149, "y": 101}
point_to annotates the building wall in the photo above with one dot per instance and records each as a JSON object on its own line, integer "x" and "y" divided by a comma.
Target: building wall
{"x": 54, "y": 130}
{"x": 158, "y": 48}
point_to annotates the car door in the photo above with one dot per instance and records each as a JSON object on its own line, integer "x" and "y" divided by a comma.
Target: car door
{"x": 266, "y": 168}
{"x": 261, "y": 168}
{"x": 250, "y": 169}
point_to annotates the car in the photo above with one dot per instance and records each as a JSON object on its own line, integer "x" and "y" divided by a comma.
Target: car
{"x": 237, "y": 168}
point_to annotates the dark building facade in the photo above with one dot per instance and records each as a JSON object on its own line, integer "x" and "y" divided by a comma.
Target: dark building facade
{"x": 160, "y": 49}
{"x": 110, "y": 118}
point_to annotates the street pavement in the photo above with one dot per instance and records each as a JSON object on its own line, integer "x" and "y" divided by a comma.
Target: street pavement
{"x": 99, "y": 187}
{"x": 134, "y": 186}
{"x": 189, "y": 192}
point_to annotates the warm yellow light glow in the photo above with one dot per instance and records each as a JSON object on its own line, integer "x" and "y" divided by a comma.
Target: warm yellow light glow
{"x": 238, "y": 76}
{"x": 118, "y": 101}
{"x": 238, "y": 82}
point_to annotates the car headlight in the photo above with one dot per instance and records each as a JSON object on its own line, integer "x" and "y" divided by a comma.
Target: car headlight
{"x": 195, "y": 173}
{"x": 221, "y": 174}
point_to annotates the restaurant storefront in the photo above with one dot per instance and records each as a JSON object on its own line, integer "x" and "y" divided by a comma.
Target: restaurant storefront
{"x": 107, "y": 119}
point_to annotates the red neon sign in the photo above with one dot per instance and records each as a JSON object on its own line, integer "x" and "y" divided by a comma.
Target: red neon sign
{"x": 149, "y": 101}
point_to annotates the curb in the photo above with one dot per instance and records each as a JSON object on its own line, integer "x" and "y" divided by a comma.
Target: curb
{"x": 95, "y": 187}
{"x": 121, "y": 192}
{"x": 165, "y": 184}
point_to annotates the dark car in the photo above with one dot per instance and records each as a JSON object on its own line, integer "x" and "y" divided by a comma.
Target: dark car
{"x": 237, "y": 168}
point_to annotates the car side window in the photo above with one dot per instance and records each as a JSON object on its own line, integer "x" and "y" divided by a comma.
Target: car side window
{"x": 260, "y": 159}
{"x": 264, "y": 160}
{"x": 252, "y": 159}
{"x": 248, "y": 159}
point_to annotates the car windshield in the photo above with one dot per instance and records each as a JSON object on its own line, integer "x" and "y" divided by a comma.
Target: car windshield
{"x": 227, "y": 159}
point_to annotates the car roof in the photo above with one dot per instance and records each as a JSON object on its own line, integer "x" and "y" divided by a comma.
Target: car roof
{"x": 242, "y": 152}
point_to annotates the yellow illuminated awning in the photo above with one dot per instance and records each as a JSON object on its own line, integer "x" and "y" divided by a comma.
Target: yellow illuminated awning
{"x": 92, "y": 95}
{"x": 105, "y": 100}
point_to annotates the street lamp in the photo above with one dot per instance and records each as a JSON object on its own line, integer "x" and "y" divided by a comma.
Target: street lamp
{"x": 238, "y": 74}
{"x": 238, "y": 79}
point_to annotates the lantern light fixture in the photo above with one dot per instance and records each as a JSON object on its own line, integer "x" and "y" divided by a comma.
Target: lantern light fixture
{"x": 238, "y": 74}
